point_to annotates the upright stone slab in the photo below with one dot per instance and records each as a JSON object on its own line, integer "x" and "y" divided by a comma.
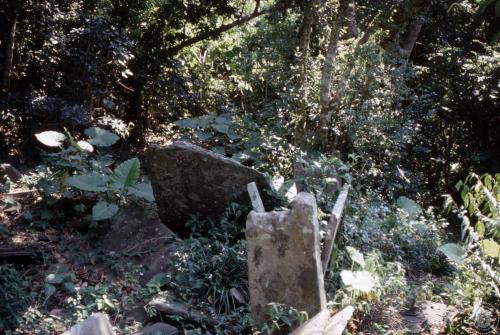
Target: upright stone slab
{"x": 189, "y": 180}
{"x": 284, "y": 259}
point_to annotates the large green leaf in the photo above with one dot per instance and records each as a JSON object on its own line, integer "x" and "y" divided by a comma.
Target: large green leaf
{"x": 51, "y": 138}
{"x": 356, "y": 256}
{"x": 187, "y": 123}
{"x": 453, "y": 251}
{"x": 142, "y": 190}
{"x": 359, "y": 280}
{"x": 409, "y": 206}
{"x": 103, "y": 211}
{"x": 88, "y": 182}
{"x": 101, "y": 137}
{"x": 126, "y": 174}
{"x": 490, "y": 248}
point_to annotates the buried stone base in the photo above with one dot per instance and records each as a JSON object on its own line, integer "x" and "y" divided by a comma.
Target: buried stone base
{"x": 284, "y": 260}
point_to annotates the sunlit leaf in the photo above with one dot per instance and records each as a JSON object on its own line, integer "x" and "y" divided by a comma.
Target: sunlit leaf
{"x": 490, "y": 248}
{"x": 409, "y": 206}
{"x": 51, "y": 138}
{"x": 359, "y": 280}
{"x": 143, "y": 190}
{"x": 356, "y": 256}
{"x": 453, "y": 251}
{"x": 101, "y": 137}
{"x": 126, "y": 174}
{"x": 86, "y": 146}
{"x": 89, "y": 182}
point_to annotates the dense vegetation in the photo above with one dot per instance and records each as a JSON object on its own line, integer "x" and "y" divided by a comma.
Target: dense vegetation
{"x": 402, "y": 97}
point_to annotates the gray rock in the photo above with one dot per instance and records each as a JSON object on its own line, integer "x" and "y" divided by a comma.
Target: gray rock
{"x": 284, "y": 263}
{"x": 167, "y": 305}
{"x": 7, "y": 170}
{"x": 96, "y": 324}
{"x": 137, "y": 234}
{"x": 160, "y": 328}
{"x": 189, "y": 180}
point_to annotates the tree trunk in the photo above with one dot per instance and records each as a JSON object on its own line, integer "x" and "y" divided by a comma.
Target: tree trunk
{"x": 326, "y": 76}
{"x": 352, "y": 23}
{"x": 9, "y": 55}
{"x": 407, "y": 45}
{"x": 303, "y": 57}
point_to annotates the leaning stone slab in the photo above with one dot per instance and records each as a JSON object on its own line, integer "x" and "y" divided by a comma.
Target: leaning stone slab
{"x": 326, "y": 323}
{"x": 189, "y": 180}
{"x": 284, "y": 261}
{"x": 96, "y": 324}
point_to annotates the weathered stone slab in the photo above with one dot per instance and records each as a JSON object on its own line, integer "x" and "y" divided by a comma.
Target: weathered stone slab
{"x": 326, "y": 323}
{"x": 189, "y": 180}
{"x": 96, "y": 324}
{"x": 333, "y": 226}
{"x": 284, "y": 261}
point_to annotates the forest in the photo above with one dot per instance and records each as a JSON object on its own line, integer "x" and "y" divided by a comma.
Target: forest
{"x": 131, "y": 133}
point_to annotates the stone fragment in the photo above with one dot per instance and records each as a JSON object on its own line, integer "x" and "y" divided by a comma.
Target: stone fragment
{"x": 326, "y": 323}
{"x": 189, "y": 180}
{"x": 168, "y": 305}
{"x": 7, "y": 170}
{"x": 284, "y": 260}
{"x": 160, "y": 328}
{"x": 96, "y": 324}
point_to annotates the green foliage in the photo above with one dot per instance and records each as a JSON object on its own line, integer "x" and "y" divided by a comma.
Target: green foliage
{"x": 208, "y": 269}
{"x": 94, "y": 172}
{"x": 14, "y": 296}
{"x": 283, "y": 319}
{"x": 373, "y": 224}
{"x": 369, "y": 280}
{"x": 478, "y": 208}
{"x": 59, "y": 276}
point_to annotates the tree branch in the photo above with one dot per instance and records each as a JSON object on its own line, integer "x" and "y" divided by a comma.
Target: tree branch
{"x": 216, "y": 32}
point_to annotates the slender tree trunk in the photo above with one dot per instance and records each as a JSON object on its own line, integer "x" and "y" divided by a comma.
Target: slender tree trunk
{"x": 352, "y": 23}
{"x": 303, "y": 58}
{"x": 305, "y": 38}
{"x": 9, "y": 55}
{"x": 408, "y": 43}
{"x": 326, "y": 76}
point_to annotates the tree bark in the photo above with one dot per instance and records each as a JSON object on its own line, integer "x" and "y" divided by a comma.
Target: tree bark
{"x": 9, "y": 55}
{"x": 352, "y": 23}
{"x": 408, "y": 43}
{"x": 303, "y": 57}
{"x": 326, "y": 76}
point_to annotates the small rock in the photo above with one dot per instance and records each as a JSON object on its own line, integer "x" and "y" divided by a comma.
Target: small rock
{"x": 7, "y": 170}
{"x": 160, "y": 328}
{"x": 96, "y": 324}
{"x": 169, "y": 306}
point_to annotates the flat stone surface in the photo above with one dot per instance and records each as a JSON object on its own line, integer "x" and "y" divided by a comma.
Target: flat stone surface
{"x": 96, "y": 324}
{"x": 284, "y": 262}
{"x": 189, "y": 180}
